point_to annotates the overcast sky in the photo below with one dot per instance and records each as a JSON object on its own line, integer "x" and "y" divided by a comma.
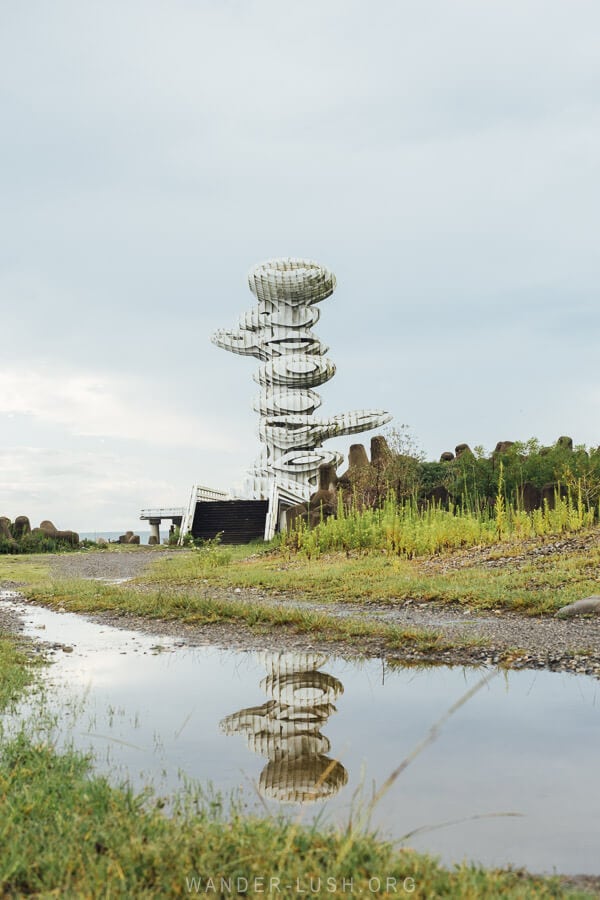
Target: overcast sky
{"x": 442, "y": 158}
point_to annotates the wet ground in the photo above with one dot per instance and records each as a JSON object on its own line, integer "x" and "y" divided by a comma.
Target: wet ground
{"x": 542, "y": 642}
{"x": 511, "y": 778}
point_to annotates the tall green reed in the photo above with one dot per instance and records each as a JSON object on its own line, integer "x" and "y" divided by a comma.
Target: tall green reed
{"x": 407, "y": 528}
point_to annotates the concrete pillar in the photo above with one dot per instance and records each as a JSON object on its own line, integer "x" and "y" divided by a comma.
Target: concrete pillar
{"x": 154, "y": 531}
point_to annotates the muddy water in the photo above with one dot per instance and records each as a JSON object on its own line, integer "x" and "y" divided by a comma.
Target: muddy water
{"x": 306, "y": 734}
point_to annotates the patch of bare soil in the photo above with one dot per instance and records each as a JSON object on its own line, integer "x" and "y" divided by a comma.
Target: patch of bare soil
{"x": 107, "y": 564}
{"x": 589, "y": 884}
{"x": 510, "y": 554}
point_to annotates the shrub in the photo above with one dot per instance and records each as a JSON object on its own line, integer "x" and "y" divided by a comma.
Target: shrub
{"x": 35, "y": 542}
{"x": 409, "y": 529}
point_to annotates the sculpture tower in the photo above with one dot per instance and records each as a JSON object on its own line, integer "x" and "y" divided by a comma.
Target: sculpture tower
{"x": 278, "y": 332}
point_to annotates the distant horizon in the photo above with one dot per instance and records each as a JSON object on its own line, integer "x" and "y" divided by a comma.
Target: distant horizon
{"x": 164, "y": 528}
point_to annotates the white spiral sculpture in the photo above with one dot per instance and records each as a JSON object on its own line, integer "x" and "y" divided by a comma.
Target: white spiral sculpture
{"x": 277, "y": 331}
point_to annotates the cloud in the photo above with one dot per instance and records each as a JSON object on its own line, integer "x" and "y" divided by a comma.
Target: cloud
{"x": 440, "y": 158}
{"x": 101, "y": 405}
{"x": 84, "y": 490}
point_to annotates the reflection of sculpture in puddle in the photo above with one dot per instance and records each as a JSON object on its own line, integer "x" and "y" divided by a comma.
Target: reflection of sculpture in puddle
{"x": 287, "y": 729}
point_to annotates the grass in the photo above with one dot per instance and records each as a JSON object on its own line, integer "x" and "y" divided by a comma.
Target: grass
{"x": 181, "y": 587}
{"x": 538, "y": 585}
{"x": 67, "y": 833}
{"x": 407, "y": 529}
{"x": 78, "y": 595}
{"x": 25, "y": 569}
{"x": 15, "y": 670}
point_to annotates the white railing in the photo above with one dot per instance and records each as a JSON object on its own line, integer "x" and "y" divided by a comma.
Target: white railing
{"x": 199, "y": 492}
{"x": 167, "y": 512}
{"x": 206, "y": 493}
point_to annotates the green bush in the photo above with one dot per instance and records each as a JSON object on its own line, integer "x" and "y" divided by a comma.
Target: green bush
{"x": 35, "y": 543}
{"x": 471, "y": 479}
{"x": 409, "y": 529}
{"x": 88, "y": 544}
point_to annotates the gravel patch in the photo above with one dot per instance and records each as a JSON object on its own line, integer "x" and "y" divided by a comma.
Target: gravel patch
{"x": 10, "y": 621}
{"x": 107, "y": 565}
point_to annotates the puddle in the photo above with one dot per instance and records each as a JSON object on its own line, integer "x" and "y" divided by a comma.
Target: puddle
{"x": 106, "y": 580}
{"x": 306, "y": 732}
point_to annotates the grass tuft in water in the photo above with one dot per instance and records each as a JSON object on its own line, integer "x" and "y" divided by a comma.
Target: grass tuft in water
{"x": 69, "y": 833}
